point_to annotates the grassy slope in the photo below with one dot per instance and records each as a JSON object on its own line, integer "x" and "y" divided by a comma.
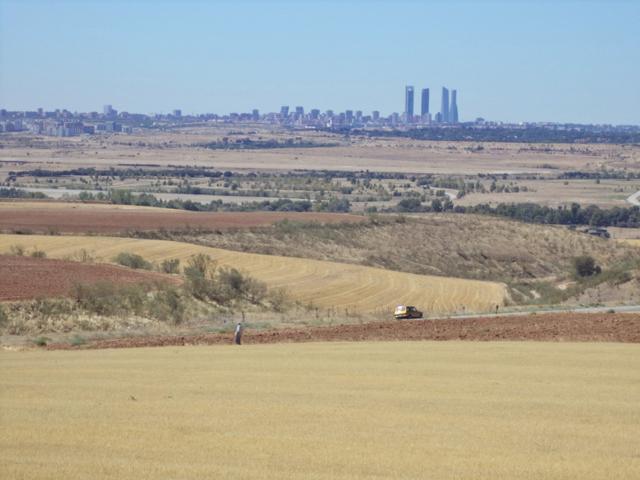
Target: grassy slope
{"x": 442, "y": 244}
{"x": 324, "y": 411}
{"x": 325, "y": 284}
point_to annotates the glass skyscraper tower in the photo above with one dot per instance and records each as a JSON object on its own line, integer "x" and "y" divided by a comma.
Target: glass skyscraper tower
{"x": 453, "y": 113}
{"x": 424, "y": 104}
{"x": 444, "y": 108}
{"x": 408, "y": 103}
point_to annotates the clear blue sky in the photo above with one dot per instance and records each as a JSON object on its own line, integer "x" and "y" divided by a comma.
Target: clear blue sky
{"x": 513, "y": 61}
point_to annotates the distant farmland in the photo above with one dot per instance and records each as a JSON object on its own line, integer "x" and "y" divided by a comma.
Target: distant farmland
{"x": 317, "y": 283}
{"x": 42, "y": 217}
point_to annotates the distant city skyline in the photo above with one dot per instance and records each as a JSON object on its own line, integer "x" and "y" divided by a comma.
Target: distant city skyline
{"x": 566, "y": 62}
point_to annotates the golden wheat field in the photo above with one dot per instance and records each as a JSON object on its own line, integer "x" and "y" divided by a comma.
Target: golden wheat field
{"x": 391, "y": 410}
{"x": 325, "y": 284}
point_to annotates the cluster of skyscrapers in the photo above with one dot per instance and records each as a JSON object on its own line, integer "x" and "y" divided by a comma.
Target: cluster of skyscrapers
{"x": 448, "y": 111}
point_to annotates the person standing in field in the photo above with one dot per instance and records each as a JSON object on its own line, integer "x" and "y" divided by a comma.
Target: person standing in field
{"x": 237, "y": 336}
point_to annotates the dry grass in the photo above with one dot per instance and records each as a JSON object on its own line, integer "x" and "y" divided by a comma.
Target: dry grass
{"x": 323, "y": 284}
{"x": 478, "y": 247}
{"x": 632, "y": 241}
{"x": 324, "y": 411}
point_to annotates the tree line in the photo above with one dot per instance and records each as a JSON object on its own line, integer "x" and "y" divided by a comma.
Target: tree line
{"x": 575, "y": 214}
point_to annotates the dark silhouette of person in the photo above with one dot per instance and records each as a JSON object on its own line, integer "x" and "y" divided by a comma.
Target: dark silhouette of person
{"x": 237, "y": 336}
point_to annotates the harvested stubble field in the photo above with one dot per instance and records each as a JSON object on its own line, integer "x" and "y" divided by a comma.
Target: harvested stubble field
{"x": 41, "y": 217}
{"x": 23, "y": 278}
{"x": 548, "y": 327}
{"x": 316, "y": 283}
{"x": 446, "y": 410}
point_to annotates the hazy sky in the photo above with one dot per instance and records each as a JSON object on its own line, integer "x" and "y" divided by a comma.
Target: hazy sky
{"x": 513, "y": 61}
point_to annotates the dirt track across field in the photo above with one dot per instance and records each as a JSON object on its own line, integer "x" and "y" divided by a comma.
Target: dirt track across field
{"x": 24, "y": 278}
{"x": 565, "y": 327}
{"x": 86, "y": 218}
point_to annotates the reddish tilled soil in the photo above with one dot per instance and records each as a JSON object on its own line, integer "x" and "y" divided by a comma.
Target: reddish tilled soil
{"x": 67, "y": 219}
{"x": 569, "y": 327}
{"x": 24, "y": 278}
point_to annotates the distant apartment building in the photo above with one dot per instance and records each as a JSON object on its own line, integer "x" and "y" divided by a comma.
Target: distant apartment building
{"x": 348, "y": 117}
{"x": 177, "y": 113}
{"x": 108, "y": 111}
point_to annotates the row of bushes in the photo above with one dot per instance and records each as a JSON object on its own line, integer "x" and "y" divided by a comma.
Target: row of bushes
{"x": 534, "y": 213}
{"x": 573, "y": 215}
{"x": 159, "y": 301}
{"x": 18, "y": 193}
{"x": 125, "y": 197}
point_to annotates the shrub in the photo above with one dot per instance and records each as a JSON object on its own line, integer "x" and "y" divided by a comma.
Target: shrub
{"x": 170, "y": 266}
{"x": 255, "y": 290}
{"x": 232, "y": 285}
{"x": 585, "y": 266}
{"x": 41, "y": 341}
{"x": 4, "y": 317}
{"x": 48, "y": 307}
{"x": 132, "y": 260}
{"x": 199, "y": 275}
{"x": 106, "y": 298}
{"x": 409, "y": 205}
{"x": 16, "y": 250}
{"x": 38, "y": 253}
{"x": 83, "y": 255}
{"x": 205, "y": 281}
{"x": 168, "y": 305}
{"x": 279, "y": 299}
{"x": 77, "y": 341}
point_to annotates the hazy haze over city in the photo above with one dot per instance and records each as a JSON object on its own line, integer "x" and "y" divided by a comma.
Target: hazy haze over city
{"x": 517, "y": 61}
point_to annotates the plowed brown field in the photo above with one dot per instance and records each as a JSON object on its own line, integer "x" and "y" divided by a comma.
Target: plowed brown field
{"x": 82, "y": 218}
{"x": 23, "y": 278}
{"x": 567, "y": 327}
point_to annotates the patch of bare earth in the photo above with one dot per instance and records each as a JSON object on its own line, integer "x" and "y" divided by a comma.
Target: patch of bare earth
{"x": 569, "y": 327}
{"x": 67, "y": 219}
{"x": 24, "y": 278}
